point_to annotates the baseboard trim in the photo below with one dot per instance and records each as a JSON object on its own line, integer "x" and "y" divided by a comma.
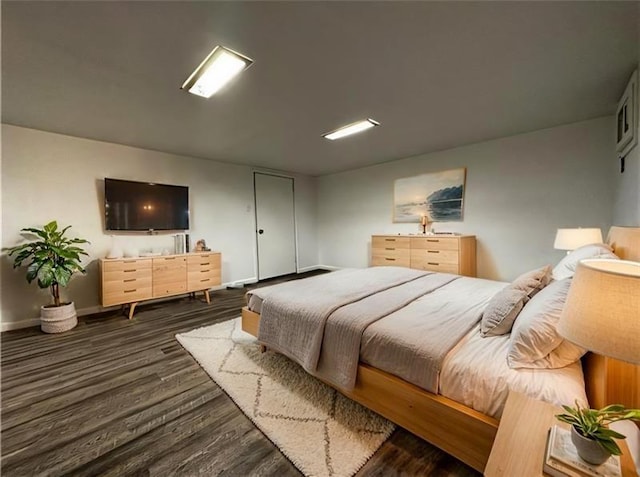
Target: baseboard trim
{"x": 90, "y": 310}
{"x": 16, "y": 325}
{"x": 329, "y": 267}
{"x": 244, "y": 281}
{"x": 317, "y": 267}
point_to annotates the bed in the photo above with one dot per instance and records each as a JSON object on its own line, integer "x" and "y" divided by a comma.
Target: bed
{"x": 451, "y": 395}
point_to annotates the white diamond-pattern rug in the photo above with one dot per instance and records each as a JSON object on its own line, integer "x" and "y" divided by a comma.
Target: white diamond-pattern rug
{"x": 318, "y": 429}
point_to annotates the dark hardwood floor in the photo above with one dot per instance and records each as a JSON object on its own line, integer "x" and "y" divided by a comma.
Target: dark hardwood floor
{"x": 119, "y": 397}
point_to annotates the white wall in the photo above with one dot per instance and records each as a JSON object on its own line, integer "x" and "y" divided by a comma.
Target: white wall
{"x": 627, "y": 185}
{"x": 519, "y": 190}
{"x": 50, "y": 176}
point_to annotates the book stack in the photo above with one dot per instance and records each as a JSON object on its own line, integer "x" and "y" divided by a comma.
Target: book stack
{"x": 561, "y": 459}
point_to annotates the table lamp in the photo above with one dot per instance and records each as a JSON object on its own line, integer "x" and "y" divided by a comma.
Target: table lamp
{"x": 424, "y": 221}
{"x": 571, "y": 239}
{"x": 602, "y": 314}
{"x": 602, "y": 311}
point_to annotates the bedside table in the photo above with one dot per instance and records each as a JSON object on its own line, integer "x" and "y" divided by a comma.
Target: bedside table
{"x": 518, "y": 449}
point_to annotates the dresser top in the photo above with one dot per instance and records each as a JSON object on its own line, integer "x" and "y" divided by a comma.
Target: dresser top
{"x": 147, "y": 257}
{"x": 424, "y": 235}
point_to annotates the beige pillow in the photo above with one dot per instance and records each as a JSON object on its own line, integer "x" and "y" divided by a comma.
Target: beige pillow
{"x": 534, "y": 341}
{"x": 501, "y": 312}
{"x": 534, "y": 281}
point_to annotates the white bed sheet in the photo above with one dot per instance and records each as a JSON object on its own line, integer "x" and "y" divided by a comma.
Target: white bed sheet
{"x": 475, "y": 373}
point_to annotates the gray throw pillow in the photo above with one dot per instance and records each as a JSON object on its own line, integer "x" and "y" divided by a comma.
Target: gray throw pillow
{"x": 501, "y": 312}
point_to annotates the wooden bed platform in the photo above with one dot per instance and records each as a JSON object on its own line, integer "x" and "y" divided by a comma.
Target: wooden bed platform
{"x": 459, "y": 430}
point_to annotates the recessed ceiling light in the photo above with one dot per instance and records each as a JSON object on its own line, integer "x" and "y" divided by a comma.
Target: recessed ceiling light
{"x": 351, "y": 129}
{"x": 217, "y": 69}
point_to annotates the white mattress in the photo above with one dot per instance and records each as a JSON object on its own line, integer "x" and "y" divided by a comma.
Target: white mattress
{"x": 475, "y": 373}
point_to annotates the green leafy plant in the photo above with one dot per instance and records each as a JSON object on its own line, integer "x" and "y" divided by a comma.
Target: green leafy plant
{"x": 594, "y": 423}
{"x": 52, "y": 258}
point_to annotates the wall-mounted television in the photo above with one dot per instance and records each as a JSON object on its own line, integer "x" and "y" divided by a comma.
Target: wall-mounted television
{"x": 131, "y": 205}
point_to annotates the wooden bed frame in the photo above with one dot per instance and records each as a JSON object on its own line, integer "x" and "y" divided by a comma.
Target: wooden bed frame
{"x": 459, "y": 430}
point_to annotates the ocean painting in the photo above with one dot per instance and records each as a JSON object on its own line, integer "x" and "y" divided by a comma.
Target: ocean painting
{"x": 439, "y": 196}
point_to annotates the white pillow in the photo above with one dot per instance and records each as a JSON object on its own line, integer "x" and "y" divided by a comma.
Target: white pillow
{"x": 534, "y": 341}
{"x": 567, "y": 266}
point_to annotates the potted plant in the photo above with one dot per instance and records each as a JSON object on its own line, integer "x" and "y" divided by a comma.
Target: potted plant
{"x": 52, "y": 260}
{"x": 590, "y": 431}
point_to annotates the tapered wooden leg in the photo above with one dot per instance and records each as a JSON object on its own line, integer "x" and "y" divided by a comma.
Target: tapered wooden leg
{"x": 132, "y": 308}
{"x": 208, "y": 298}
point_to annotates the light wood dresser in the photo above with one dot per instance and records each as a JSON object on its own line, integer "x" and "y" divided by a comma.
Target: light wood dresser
{"x": 128, "y": 281}
{"x": 437, "y": 253}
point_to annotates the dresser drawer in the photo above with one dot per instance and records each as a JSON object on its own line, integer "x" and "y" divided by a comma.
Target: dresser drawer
{"x": 440, "y": 256}
{"x": 384, "y": 241}
{"x": 389, "y": 261}
{"x": 126, "y": 265}
{"x": 202, "y": 282}
{"x": 128, "y": 283}
{"x": 126, "y": 274}
{"x": 129, "y": 294}
{"x": 435, "y": 243}
{"x": 169, "y": 263}
{"x": 391, "y": 252}
{"x": 204, "y": 259}
{"x": 432, "y": 266}
{"x": 203, "y": 273}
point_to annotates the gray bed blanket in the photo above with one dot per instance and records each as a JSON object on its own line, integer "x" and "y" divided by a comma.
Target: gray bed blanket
{"x": 294, "y": 313}
{"x": 344, "y": 329}
{"x": 413, "y": 342}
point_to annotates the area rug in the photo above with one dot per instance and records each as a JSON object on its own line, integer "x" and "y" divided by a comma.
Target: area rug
{"x": 320, "y": 431}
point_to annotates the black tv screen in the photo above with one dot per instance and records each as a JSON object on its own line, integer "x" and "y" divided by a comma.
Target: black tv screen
{"x": 131, "y": 205}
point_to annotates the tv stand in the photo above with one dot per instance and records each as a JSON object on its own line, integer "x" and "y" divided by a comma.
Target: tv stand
{"x": 129, "y": 281}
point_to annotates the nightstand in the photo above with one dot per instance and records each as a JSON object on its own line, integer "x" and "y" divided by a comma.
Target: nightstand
{"x": 518, "y": 449}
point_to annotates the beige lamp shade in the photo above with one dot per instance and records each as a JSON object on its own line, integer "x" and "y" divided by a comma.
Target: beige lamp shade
{"x": 571, "y": 239}
{"x": 602, "y": 311}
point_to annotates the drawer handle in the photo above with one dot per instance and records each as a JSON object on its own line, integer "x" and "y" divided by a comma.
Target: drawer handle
{"x": 170, "y": 258}
{"x": 390, "y": 259}
{"x": 205, "y": 280}
{"x": 205, "y": 263}
{"x": 389, "y": 240}
{"x": 130, "y": 280}
{"x": 131, "y": 291}
{"x": 433, "y": 263}
{"x": 130, "y": 270}
{"x": 389, "y": 248}
{"x": 433, "y": 240}
{"x": 433, "y": 251}
{"x": 205, "y": 271}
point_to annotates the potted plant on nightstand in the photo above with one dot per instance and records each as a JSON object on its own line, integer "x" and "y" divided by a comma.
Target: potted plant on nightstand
{"x": 53, "y": 259}
{"x": 590, "y": 431}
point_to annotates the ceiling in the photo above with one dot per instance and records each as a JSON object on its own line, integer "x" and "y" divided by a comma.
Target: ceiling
{"x": 434, "y": 74}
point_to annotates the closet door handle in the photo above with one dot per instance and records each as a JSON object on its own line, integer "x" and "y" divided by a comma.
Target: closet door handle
{"x": 260, "y": 231}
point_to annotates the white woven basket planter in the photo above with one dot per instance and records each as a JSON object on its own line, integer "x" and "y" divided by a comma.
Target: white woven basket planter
{"x": 57, "y": 319}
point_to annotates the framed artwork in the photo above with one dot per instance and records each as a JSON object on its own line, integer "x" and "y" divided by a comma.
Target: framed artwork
{"x": 439, "y": 196}
{"x": 627, "y": 118}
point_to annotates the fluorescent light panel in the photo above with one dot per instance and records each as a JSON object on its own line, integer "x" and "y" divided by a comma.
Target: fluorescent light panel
{"x": 217, "y": 69}
{"x": 351, "y": 129}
